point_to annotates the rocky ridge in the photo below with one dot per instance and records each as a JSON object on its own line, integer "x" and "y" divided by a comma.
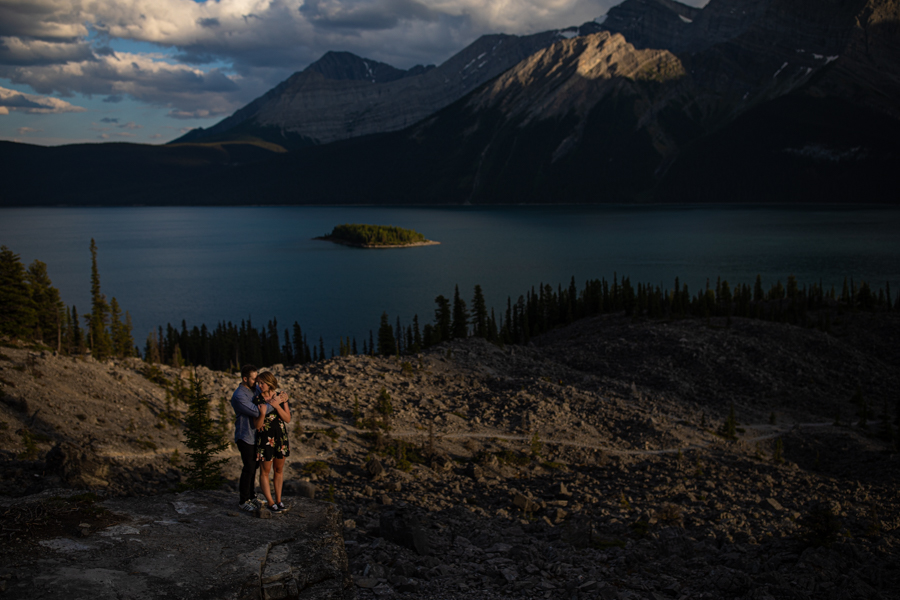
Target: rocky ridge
{"x": 341, "y": 96}
{"x": 585, "y": 465}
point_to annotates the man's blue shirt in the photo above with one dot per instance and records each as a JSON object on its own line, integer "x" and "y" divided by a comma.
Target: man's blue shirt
{"x": 245, "y": 410}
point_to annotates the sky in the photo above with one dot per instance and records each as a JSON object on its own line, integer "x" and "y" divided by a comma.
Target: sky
{"x": 147, "y": 71}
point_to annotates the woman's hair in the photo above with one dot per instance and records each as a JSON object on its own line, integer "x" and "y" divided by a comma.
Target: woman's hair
{"x": 267, "y": 378}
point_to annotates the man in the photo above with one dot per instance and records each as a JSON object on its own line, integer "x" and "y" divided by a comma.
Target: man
{"x": 245, "y": 436}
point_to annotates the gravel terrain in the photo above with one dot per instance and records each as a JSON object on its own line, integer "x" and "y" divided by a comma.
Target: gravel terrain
{"x": 588, "y": 464}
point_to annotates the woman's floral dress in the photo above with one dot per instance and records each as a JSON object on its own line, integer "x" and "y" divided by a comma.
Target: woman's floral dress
{"x": 272, "y": 441}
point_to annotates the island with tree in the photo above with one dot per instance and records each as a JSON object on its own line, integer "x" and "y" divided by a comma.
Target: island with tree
{"x": 376, "y": 236}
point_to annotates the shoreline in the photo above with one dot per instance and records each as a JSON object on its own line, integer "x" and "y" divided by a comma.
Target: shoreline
{"x": 328, "y": 238}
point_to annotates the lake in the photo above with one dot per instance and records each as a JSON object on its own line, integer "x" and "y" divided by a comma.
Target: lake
{"x": 206, "y": 265}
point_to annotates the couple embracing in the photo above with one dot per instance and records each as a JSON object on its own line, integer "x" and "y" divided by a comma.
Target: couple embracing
{"x": 260, "y": 431}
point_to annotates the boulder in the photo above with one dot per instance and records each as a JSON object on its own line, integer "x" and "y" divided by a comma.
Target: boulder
{"x": 404, "y": 529}
{"x": 374, "y": 468}
{"x": 78, "y": 467}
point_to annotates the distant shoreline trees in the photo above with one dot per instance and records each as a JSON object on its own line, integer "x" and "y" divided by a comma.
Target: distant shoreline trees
{"x": 537, "y": 311}
{"x": 31, "y": 310}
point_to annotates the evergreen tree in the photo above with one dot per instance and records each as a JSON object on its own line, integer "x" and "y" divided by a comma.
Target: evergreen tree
{"x": 299, "y": 351}
{"x": 479, "y": 314}
{"x": 151, "y": 349}
{"x": 729, "y": 427}
{"x": 49, "y": 308}
{"x": 287, "y": 350}
{"x": 204, "y": 440}
{"x": 123, "y": 343}
{"x": 76, "y": 337}
{"x": 417, "y": 336}
{"x": 460, "y": 325}
{"x": 17, "y": 312}
{"x": 387, "y": 345}
{"x": 101, "y": 345}
{"x": 442, "y": 320}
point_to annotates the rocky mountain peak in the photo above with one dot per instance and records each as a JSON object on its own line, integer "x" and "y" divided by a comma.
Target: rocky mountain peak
{"x": 339, "y": 66}
{"x": 573, "y": 75}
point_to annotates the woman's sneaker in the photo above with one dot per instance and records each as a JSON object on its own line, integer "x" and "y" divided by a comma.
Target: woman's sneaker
{"x": 282, "y": 506}
{"x": 274, "y": 508}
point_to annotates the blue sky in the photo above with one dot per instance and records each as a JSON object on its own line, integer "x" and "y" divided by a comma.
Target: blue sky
{"x": 147, "y": 71}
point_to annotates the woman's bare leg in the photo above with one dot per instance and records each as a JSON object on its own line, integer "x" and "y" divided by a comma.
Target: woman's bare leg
{"x": 279, "y": 477}
{"x": 264, "y": 468}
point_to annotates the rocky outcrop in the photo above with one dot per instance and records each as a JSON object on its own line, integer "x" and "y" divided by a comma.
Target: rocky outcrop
{"x": 190, "y": 545}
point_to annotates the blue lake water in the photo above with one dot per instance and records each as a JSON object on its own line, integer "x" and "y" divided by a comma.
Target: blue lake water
{"x": 207, "y": 265}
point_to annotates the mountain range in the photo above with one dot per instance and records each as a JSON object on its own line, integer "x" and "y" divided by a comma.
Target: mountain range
{"x": 740, "y": 101}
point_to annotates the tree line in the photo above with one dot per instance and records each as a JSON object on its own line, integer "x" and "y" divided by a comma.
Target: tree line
{"x": 539, "y": 310}
{"x": 31, "y": 309}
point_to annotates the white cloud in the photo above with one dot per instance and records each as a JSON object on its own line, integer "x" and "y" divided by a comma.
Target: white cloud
{"x": 27, "y": 130}
{"x": 63, "y": 46}
{"x": 29, "y": 103}
{"x": 148, "y": 78}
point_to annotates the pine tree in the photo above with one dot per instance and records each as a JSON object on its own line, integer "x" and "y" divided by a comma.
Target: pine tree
{"x": 122, "y": 342}
{"x": 479, "y": 314}
{"x": 151, "y": 349}
{"x": 17, "y": 312}
{"x": 204, "y": 440}
{"x": 460, "y": 325}
{"x": 49, "y": 308}
{"x": 442, "y": 320}
{"x": 76, "y": 336}
{"x": 299, "y": 351}
{"x": 387, "y": 345}
{"x": 417, "y": 335}
{"x": 101, "y": 345}
{"x": 729, "y": 427}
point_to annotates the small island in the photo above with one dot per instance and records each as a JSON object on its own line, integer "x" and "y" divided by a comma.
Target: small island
{"x": 376, "y": 236}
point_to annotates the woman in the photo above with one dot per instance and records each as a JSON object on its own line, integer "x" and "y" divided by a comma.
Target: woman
{"x": 272, "y": 445}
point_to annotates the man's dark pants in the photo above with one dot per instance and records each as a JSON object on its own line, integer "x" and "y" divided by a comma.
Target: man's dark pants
{"x": 248, "y": 472}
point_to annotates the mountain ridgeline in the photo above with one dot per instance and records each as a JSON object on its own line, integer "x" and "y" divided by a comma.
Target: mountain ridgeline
{"x": 656, "y": 101}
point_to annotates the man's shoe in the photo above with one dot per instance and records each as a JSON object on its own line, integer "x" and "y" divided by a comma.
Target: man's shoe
{"x": 249, "y": 506}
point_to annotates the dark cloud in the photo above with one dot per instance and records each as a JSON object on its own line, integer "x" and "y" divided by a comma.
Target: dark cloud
{"x": 108, "y": 120}
{"x": 365, "y": 15}
{"x": 113, "y": 99}
{"x": 208, "y": 23}
{"x": 23, "y": 52}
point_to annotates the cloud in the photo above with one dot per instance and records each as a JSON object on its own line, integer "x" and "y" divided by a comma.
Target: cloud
{"x": 364, "y": 14}
{"x": 217, "y": 55}
{"x": 27, "y": 130}
{"x": 23, "y": 51}
{"x": 28, "y": 103}
{"x": 109, "y": 120}
{"x": 148, "y": 78}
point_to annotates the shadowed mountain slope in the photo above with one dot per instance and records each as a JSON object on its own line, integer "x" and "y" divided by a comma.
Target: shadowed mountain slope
{"x": 770, "y": 101}
{"x": 342, "y": 95}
